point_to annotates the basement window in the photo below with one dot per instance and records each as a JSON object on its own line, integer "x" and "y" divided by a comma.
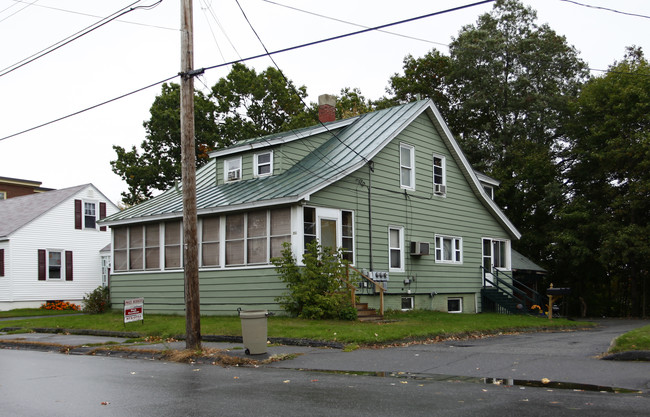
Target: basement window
{"x": 454, "y": 305}
{"x": 407, "y": 303}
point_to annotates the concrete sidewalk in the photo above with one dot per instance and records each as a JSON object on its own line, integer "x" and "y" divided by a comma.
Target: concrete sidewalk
{"x": 559, "y": 356}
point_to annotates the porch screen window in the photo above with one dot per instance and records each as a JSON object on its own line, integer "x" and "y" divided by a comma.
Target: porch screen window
{"x": 449, "y": 249}
{"x": 120, "y": 244}
{"x": 235, "y": 239}
{"x": 172, "y": 245}
{"x": 407, "y": 166}
{"x": 210, "y": 241}
{"x": 256, "y": 238}
{"x": 89, "y": 215}
{"x": 135, "y": 247}
{"x": 396, "y": 248}
{"x": 152, "y": 246}
{"x": 280, "y": 230}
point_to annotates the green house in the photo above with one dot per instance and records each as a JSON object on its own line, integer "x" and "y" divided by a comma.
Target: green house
{"x": 392, "y": 188}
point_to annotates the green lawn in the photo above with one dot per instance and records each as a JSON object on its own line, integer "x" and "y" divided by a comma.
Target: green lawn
{"x": 638, "y": 339}
{"x": 399, "y": 326}
{"x": 29, "y": 312}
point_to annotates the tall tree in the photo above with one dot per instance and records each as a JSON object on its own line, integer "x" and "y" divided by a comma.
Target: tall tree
{"x": 157, "y": 166}
{"x": 607, "y": 220}
{"x": 242, "y": 105}
{"x": 505, "y": 91}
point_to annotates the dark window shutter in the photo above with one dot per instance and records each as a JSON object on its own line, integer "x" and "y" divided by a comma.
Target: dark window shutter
{"x": 41, "y": 264}
{"x": 102, "y": 214}
{"x": 68, "y": 265}
{"x": 2, "y": 262}
{"x": 77, "y": 214}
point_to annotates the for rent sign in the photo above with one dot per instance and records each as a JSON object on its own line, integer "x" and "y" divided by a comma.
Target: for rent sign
{"x": 133, "y": 310}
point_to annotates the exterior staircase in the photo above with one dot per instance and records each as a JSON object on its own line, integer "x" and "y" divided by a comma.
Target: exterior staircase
{"x": 499, "y": 301}
{"x": 506, "y": 295}
{"x": 367, "y": 314}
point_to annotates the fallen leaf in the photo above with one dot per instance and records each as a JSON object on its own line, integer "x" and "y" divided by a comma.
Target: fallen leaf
{"x": 403, "y": 382}
{"x": 196, "y": 370}
{"x": 105, "y": 403}
{"x": 236, "y": 377}
{"x": 133, "y": 373}
{"x": 286, "y": 381}
{"x": 314, "y": 380}
{"x": 545, "y": 380}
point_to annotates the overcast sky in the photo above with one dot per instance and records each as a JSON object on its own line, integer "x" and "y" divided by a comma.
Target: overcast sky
{"x": 143, "y": 47}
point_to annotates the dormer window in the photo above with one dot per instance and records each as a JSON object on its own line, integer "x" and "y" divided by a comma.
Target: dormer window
{"x": 263, "y": 164}
{"x": 232, "y": 169}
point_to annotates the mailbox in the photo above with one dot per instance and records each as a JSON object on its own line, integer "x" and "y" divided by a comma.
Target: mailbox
{"x": 558, "y": 291}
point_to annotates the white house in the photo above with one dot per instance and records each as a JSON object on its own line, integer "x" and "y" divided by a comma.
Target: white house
{"x": 50, "y": 246}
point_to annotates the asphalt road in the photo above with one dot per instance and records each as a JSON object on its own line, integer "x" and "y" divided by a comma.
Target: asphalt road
{"x": 51, "y": 384}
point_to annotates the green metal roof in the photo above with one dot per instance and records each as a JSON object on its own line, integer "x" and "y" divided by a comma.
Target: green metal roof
{"x": 352, "y": 144}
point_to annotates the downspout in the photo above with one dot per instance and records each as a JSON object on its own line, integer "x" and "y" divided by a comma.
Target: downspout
{"x": 370, "y": 171}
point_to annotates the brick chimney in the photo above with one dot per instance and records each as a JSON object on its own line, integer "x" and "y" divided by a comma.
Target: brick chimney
{"x": 326, "y": 108}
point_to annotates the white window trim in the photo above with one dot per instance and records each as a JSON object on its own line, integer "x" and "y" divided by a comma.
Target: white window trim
{"x": 439, "y": 240}
{"x": 460, "y": 299}
{"x": 507, "y": 248}
{"x": 412, "y": 303}
{"x": 256, "y": 164}
{"x": 400, "y": 248}
{"x": 47, "y": 265}
{"x": 412, "y": 167}
{"x": 83, "y": 214}
{"x": 489, "y": 190}
{"x": 226, "y": 170}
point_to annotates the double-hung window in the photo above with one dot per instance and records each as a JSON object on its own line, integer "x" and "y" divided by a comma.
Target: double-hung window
{"x": 89, "y": 215}
{"x": 396, "y": 249}
{"x": 496, "y": 254}
{"x": 232, "y": 169}
{"x": 407, "y": 166}
{"x": 449, "y": 249}
{"x": 263, "y": 164}
{"x": 439, "y": 175}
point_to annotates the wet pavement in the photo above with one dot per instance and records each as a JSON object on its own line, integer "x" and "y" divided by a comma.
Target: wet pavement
{"x": 559, "y": 359}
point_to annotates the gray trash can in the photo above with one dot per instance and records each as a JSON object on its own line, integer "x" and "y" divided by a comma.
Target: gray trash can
{"x": 254, "y": 331}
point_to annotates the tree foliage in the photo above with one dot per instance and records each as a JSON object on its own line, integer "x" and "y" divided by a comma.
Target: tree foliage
{"x": 505, "y": 90}
{"x": 314, "y": 291}
{"x": 604, "y": 236}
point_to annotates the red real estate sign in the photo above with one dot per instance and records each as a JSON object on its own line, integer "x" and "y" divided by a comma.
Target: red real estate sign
{"x": 133, "y": 310}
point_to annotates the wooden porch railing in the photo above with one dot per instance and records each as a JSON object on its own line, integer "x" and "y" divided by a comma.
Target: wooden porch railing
{"x": 353, "y": 288}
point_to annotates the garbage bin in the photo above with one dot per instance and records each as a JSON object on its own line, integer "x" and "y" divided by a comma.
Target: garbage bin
{"x": 253, "y": 331}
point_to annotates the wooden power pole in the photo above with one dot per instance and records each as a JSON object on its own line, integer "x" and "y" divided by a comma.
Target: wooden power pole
{"x": 188, "y": 167}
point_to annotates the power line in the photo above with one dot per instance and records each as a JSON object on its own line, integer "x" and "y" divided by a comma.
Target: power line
{"x": 354, "y": 24}
{"x": 607, "y": 9}
{"x": 75, "y": 36}
{"x": 89, "y": 15}
{"x": 17, "y": 11}
{"x": 292, "y": 48}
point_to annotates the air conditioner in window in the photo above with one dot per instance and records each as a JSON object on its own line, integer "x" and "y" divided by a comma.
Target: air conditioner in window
{"x": 234, "y": 175}
{"x": 419, "y": 248}
{"x": 439, "y": 189}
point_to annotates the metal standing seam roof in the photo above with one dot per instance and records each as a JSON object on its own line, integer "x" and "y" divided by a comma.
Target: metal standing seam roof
{"x": 345, "y": 152}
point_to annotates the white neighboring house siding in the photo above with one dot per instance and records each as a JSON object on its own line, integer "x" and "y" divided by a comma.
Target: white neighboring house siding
{"x": 56, "y": 230}
{"x": 5, "y": 282}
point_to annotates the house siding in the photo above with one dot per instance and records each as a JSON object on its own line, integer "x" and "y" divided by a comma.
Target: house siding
{"x": 421, "y": 214}
{"x": 53, "y": 230}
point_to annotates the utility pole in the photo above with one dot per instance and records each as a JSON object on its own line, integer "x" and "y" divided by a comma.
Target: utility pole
{"x": 188, "y": 167}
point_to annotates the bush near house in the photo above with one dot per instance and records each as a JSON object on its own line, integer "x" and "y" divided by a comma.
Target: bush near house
{"x": 60, "y": 305}
{"x": 315, "y": 290}
{"x": 97, "y": 301}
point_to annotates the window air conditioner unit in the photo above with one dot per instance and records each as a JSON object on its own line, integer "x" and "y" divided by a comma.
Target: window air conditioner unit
{"x": 439, "y": 189}
{"x": 419, "y": 248}
{"x": 234, "y": 175}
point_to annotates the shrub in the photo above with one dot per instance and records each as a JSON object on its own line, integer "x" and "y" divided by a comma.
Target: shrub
{"x": 97, "y": 301}
{"x": 315, "y": 291}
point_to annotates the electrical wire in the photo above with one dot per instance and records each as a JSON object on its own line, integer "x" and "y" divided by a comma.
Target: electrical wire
{"x": 292, "y": 48}
{"x": 17, "y": 11}
{"x": 354, "y": 24}
{"x": 90, "y": 15}
{"x": 607, "y": 9}
{"x": 75, "y": 36}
